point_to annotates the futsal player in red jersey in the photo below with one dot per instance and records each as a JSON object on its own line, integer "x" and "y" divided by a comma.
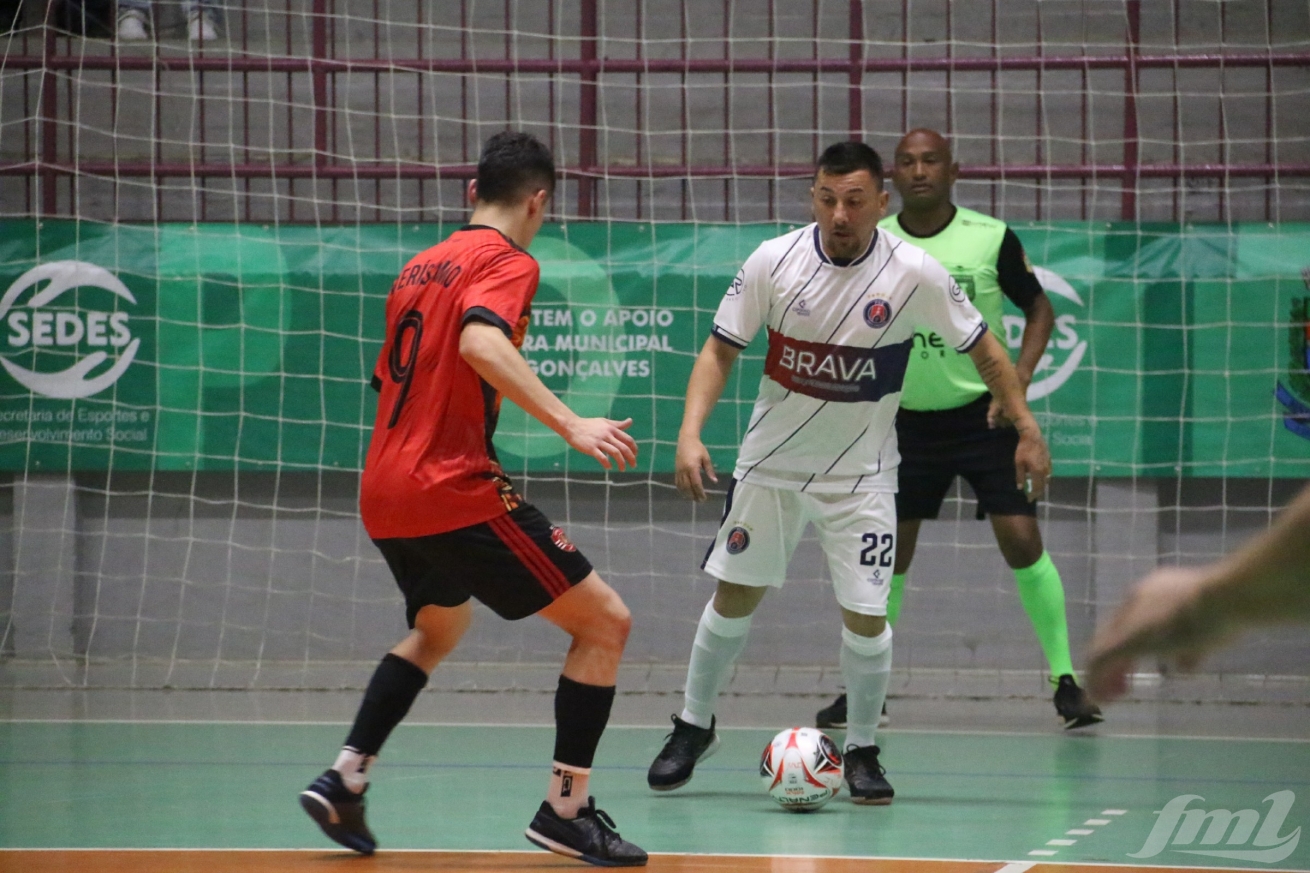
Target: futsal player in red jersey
{"x": 447, "y": 520}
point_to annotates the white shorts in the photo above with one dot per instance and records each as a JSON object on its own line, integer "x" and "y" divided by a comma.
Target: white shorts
{"x": 761, "y": 527}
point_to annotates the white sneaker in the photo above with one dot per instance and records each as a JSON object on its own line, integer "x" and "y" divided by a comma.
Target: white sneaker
{"x": 200, "y": 26}
{"x": 132, "y": 26}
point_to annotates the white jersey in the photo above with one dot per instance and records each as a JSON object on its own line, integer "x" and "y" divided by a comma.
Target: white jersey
{"x": 839, "y": 341}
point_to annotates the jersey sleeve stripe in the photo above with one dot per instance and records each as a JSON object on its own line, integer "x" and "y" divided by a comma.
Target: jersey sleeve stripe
{"x": 483, "y": 314}
{"x": 724, "y": 335}
{"x": 974, "y": 337}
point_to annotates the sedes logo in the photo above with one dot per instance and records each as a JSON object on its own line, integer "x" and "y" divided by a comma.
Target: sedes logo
{"x": 41, "y": 325}
{"x": 1066, "y": 349}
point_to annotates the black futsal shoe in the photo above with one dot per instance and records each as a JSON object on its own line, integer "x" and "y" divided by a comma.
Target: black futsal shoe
{"x": 834, "y": 715}
{"x": 590, "y": 837}
{"x": 683, "y": 749}
{"x": 339, "y": 812}
{"x": 866, "y": 778}
{"x": 1073, "y": 705}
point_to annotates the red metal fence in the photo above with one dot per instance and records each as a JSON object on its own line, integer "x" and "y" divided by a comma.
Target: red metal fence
{"x": 331, "y": 149}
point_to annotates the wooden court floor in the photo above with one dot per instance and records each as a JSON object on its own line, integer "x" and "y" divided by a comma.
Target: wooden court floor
{"x": 175, "y": 797}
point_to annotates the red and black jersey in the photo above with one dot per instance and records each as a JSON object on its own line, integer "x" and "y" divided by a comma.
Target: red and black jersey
{"x": 431, "y": 466}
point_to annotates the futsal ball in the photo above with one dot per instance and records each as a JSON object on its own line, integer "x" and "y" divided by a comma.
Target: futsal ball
{"x": 802, "y": 769}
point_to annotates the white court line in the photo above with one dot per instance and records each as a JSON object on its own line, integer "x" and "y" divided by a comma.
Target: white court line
{"x": 1079, "y": 832}
{"x": 1044, "y": 853}
{"x": 1114, "y": 812}
{"x": 1012, "y": 867}
{"x": 1060, "y": 842}
{"x": 1097, "y": 822}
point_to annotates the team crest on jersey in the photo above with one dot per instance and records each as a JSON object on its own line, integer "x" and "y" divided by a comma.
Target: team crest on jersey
{"x": 960, "y": 287}
{"x": 561, "y": 541}
{"x": 877, "y": 313}
{"x": 738, "y": 540}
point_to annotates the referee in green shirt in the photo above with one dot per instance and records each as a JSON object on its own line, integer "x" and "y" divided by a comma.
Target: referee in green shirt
{"x": 948, "y": 425}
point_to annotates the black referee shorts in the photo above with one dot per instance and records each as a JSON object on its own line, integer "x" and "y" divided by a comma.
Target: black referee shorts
{"x": 940, "y": 445}
{"x": 517, "y": 564}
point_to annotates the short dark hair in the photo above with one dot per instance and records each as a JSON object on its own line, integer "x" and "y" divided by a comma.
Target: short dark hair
{"x": 842, "y": 158}
{"x": 512, "y": 166}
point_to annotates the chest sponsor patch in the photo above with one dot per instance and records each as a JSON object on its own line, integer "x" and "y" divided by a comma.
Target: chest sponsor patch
{"x": 844, "y": 374}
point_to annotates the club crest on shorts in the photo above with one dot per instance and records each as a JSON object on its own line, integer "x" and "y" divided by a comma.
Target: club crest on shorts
{"x": 738, "y": 540}
{"x": 877, "y": 312}
{"x": 561, "y": 541}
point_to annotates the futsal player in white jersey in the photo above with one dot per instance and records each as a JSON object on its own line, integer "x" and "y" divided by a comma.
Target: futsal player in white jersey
{"x": 839, "y": 303}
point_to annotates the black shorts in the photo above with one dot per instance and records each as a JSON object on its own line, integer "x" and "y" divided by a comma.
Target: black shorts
{"x": 517, "y": 564}
{"x": 938, "y": 446}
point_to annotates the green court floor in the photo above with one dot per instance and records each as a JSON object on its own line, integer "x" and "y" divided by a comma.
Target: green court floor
{"x": 985, "y": 796}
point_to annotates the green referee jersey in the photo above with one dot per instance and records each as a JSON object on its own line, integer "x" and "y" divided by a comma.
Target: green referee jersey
{"x": 987, "y": 261}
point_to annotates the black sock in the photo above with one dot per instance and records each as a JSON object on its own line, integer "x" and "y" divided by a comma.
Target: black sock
{"x": 581, "y": 713}
{"x": 390, "y": 694}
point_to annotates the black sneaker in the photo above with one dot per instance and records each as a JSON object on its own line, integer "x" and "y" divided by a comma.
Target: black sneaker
{"x": 1073, "y": 706}
{"x": 834, "y": 716}
{"x": 866, "y": 778}
{"x": 590, "y": 837}
{"x": 683, "y": 749}
{"x": 339, "y": 812}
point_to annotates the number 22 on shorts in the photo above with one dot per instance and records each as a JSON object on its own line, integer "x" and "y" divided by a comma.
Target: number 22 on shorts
{"x": 879, "y": 551}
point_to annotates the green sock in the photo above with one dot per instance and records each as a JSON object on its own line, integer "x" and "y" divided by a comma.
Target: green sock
{"x": 1042, "y": 595}
{"x": 894, "y": 597}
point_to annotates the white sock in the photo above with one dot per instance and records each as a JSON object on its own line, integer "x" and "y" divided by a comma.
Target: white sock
{"x": 568, "y": 789}
{"x": 719, "y": 641}
{"x": 353, "y": 767}
{"x": 866, "y": 665}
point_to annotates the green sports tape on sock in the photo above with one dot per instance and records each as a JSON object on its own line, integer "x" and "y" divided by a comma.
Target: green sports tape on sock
{"x": 894, "y": 597}
{"x": 1042, "y": 594}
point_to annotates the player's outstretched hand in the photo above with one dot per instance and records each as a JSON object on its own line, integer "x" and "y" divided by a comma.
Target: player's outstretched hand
{"x": 1032, "y": 464}
{"x": 603, "y": 439}
{"x": 692, "y": 458}
{"x": 1164, "y": 615}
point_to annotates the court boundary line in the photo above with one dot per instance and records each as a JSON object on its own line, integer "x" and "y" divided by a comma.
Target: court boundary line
{"x": 1003, "y": 863}
{"x": 497, "y": 724}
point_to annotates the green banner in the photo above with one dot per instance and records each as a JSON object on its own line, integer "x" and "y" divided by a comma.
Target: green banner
{"x": 1177, "y": 350}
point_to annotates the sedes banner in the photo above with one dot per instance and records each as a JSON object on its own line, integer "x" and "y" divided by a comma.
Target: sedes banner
{"x": 1177, "y": 350}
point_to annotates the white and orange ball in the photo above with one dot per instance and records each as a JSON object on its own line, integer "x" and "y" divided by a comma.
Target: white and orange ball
{"x": 802, "y": 769}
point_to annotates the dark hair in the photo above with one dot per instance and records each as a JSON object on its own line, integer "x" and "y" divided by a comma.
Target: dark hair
{"x": 513, "y": 166}
{"x": 842, "y": 158}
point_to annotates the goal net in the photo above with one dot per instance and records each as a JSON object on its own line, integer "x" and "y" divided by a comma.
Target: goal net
{"x": 198, "y": 237}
